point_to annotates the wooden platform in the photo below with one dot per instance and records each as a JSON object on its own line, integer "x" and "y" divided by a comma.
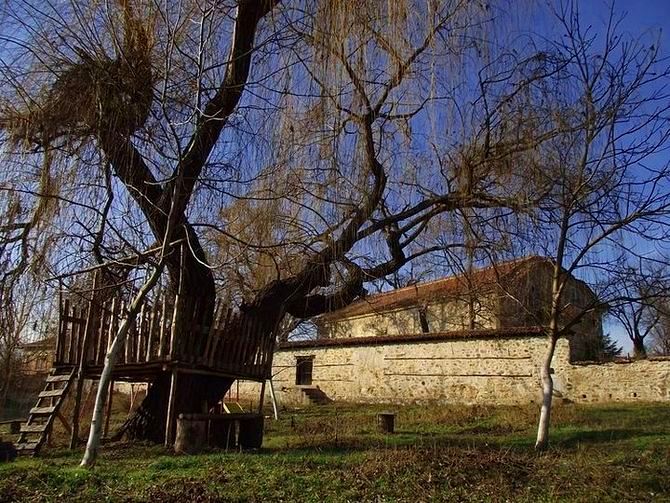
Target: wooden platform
{"x": 229, "y": 346}
{"x": 167, "y": 337}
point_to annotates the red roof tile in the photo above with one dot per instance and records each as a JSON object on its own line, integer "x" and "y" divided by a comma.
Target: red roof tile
{"x": 497, "y": 333}
{"x": 421, "y": 292}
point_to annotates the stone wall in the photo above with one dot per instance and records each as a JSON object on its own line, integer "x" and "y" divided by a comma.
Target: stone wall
{"x": 630, "y": 381}
{"x": 485, "y": 370}
{"x": 441, "y": 316}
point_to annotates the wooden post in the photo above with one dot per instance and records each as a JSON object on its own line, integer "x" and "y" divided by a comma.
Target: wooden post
{"x": 170, "y": 416}
{"x": 386, "y": 422}
{"x": 59, "y": 334}
{"x": 262, "y": 398}
{"x": 163, "y": 326}
{"x": 109, "y": 407}
{"x": 90, "y": 324}
{"x": 275, "y": 409}
{"x": 175, "y": 332}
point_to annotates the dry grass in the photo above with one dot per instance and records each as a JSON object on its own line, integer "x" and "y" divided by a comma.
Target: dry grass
{"x": 333, "y": 453}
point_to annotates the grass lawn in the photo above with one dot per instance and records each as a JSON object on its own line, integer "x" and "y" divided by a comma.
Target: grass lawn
{"x": 333, "y": 453}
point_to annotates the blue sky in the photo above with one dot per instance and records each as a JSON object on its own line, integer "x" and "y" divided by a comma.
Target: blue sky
{"x": 642, "y": 17}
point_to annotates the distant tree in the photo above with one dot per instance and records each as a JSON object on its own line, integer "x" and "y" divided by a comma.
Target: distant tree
{"x": 640, "y": 310}
{"x": 607, "y": 349}
{"x": 660, "y": 334}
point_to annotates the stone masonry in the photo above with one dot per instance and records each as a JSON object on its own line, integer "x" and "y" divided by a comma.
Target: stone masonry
{"x": 478, "y": 367}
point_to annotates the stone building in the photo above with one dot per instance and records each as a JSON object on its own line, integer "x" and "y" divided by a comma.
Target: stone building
{"x": 494, "y": 366}
{"x": 459, "y": 340}
{"x": 37, "y": 356}
{"x": 503, "y": 296}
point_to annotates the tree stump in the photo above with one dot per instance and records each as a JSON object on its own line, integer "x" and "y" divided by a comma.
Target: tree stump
{"x": 386, "y": 422}
{"x": 191, "y": 434}
{"x": 7, "y": 452}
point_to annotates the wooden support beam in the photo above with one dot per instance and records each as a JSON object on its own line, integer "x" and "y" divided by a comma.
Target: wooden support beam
{"x": 275, "y": 408}
{"x": 91, "y": 315}
{"x": 170, "y": 416}
{"x": 262, "y": 398}
{"x": 64, "y": 422}
{"x": 110, "y": 398}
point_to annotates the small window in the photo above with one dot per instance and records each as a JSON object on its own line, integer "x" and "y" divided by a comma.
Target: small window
{"x": 303, "y": 370}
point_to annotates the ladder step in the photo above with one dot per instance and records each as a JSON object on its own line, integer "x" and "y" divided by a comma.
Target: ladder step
{"x": 33, "y": 428}
{"x": 51, "y": 393}
{"x": 27, "y": 446}
{"x": 58, "y": 378}
{"x": 42, "y": 411}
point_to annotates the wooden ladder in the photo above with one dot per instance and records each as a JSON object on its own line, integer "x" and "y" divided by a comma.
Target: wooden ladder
{"x": 40, "y": 421}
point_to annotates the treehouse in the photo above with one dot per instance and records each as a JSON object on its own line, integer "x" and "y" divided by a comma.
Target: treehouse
{"x": 165, "y": 341}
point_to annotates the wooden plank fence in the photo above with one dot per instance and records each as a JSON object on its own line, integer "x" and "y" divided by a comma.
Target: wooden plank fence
{"x": 231, "y": 344}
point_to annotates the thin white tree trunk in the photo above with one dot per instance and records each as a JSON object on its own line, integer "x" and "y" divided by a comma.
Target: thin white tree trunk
{"x": 95, "y": 432}
{"x": 542, "y": 441}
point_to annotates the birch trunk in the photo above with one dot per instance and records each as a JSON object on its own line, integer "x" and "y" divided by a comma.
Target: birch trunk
{"x": 95, "y": 432}
{"x": 542, "y": 441}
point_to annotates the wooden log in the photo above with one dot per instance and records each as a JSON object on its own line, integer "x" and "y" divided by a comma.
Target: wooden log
{"x": 164, "y": 327}
{"x": 203, "y": 335}
{"x": 58, "y": 357}
{"x": 141, "y": 329}
{"x": 102, "y": 330}
{"x": 170, "y": 416}
{"x": 261, "y": 400}
{"x": 104, "y": 333}
{"x": 126, "y": 355}
{"x": 273, "y": 397}
{"x": 235, "y": 362}
{"x": 74, "y": 334}
{"x": 70, "y": 339}
{"x": 191, "y": 435}
{"x": 214, "y": 335}
{"x": 113, "y": 322}
{"x": 386, "y": 422}
{"x": 211, "y": 332}
{"x": 221, "y": 335}
{"x": 150, "y": 322}
{"x": 173, "y": 328}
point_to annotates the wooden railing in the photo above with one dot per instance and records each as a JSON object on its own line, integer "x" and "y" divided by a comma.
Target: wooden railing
{"x": 232, "y": 344}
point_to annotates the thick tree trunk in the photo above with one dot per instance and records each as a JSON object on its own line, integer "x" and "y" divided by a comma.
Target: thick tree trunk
{"x": 195, "y": 393}
{"x": 196, "y": 287}
{"x": 639, "y": 351}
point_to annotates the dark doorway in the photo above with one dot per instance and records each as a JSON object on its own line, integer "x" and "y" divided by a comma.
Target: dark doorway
{"x": 303, "y": 370}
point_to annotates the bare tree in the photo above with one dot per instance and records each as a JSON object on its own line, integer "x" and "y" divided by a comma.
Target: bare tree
{"x": 660, "y": 337}
{"x": 641, "y": 313}
{"x": 313, "y": 148}
{"x": 605, "y": 191}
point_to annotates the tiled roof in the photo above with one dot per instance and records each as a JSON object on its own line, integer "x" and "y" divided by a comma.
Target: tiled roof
{"x": 422, "y": 292}
{"x": 40, "y": 344}
{"x": 497, "y": 333}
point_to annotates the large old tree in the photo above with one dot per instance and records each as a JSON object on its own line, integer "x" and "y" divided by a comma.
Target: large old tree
{"x": 301, "y": 149}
